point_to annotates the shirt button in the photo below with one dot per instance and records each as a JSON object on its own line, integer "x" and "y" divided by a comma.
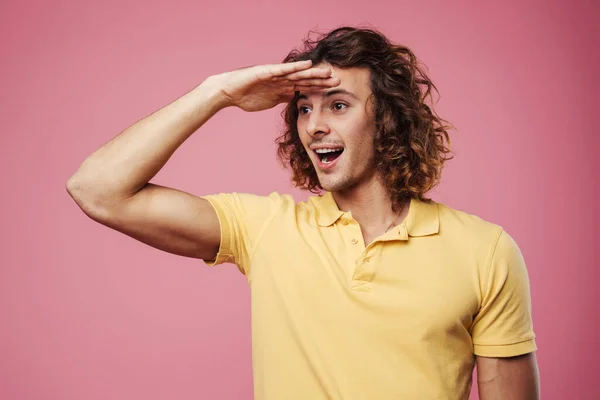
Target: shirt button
{"x": 354, "y": 241}
{"x": 368, "y": 259}
{"x": 345, "y": 222}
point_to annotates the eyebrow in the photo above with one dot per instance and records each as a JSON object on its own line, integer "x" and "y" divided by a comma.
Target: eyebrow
{"x": 331, "y": 93}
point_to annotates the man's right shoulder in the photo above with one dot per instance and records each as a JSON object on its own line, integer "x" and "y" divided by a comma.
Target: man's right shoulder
{"x": 275, "y": 205}
{"x": 275, "y": 202}
{"x": 251, "y": 199}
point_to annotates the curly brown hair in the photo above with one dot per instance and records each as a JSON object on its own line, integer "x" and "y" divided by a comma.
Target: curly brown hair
{"x": 411, "y": 143}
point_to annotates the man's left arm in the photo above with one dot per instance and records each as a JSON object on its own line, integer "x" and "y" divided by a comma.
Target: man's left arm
{"x": 508, "y": 378}
{"x": 502, "y": 331}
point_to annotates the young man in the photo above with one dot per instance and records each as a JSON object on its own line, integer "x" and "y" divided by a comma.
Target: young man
{"x": 368, "y": 291}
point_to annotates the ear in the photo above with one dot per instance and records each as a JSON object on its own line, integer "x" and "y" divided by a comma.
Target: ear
{"x": 371, "y": 106}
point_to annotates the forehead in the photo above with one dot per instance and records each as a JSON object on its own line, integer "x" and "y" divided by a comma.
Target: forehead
{"x": 354, "y": 80}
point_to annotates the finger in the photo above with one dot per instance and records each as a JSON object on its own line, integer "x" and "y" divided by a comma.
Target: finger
{"x": 308, "y": 89}
{"x": 309, "y": 84}
{"x": 320, "y": 72}
{"x": 321, "y": 83}
{"x": 289, "y": 68}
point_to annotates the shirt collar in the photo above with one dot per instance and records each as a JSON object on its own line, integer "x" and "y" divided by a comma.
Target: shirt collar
{"x": 422, "y": 219}
{"x": 327, "y": 209}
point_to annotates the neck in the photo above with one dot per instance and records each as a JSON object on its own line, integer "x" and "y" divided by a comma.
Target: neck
{"x": 371, "y": 206}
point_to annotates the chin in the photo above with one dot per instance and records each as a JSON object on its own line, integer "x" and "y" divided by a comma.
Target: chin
{"x": 335, "y": 184}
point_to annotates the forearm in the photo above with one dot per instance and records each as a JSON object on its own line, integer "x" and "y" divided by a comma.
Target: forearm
{"x": 129, "y": 161}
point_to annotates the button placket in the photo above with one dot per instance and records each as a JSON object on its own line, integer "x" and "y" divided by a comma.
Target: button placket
{"x": 352, "y": 233}
{"x": 352, "y": 237}
{"x": 366, "y": 265}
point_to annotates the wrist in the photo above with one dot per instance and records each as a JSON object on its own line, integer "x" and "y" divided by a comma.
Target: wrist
{"x": 212, "y": 90}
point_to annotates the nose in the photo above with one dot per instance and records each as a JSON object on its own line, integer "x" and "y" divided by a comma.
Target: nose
{"x": 316, "y": 125}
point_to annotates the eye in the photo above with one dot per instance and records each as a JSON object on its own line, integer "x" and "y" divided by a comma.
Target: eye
{"x": 303, "y": 110}
{"x": 337, "y": 106}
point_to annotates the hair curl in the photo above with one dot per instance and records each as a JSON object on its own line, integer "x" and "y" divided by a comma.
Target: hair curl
{"x": 411, "y": 141}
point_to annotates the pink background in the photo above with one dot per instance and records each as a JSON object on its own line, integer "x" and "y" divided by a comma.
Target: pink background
{"x": 87, "y": 313}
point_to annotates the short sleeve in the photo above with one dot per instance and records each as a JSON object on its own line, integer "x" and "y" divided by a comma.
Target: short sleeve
{"x": 242, "y": 219}
{"x": 503, "y": 326}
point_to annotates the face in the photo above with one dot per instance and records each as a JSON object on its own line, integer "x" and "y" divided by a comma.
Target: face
{"x": 336, "y": 127}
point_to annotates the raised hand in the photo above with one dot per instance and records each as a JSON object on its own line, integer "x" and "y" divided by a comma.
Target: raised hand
{"x": 264, "y": 86}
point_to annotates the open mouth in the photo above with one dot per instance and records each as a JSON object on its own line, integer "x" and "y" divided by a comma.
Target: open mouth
{"x": 328, "y": 155}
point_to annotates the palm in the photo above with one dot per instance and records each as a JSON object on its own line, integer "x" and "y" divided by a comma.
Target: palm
{"x": 262, "y": 87}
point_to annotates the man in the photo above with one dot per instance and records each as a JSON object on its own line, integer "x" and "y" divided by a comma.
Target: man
{"x": 367, "y": 291}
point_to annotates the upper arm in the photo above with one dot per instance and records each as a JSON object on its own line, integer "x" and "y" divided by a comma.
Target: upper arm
{"x": 167, "y": 219}
{"x": 509, "y": 378}
{"x": 503, "y": 325}
{"x": 243, "y": 219}
{"x": 502, "y": 330}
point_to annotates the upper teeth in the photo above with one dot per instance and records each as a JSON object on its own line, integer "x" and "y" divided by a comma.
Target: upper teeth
{"x": 321, "y": 151}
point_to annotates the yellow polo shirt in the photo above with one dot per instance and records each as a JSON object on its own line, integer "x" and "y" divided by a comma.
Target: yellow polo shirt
{"x": 400, "y": 318}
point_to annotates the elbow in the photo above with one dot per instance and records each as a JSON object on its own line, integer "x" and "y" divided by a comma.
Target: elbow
{"x": 89, "y": 200}
{"x": 73, "y": 186}
{"x": 77, "y": 188}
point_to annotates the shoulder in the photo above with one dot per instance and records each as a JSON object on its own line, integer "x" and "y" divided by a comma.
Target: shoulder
{"x": 459, "y": 219}
{"x": 272, "y": 200}
{"x": 470, "y": 229}
{"x": 276, "y": 201}
{"x": 488, "y": 242}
